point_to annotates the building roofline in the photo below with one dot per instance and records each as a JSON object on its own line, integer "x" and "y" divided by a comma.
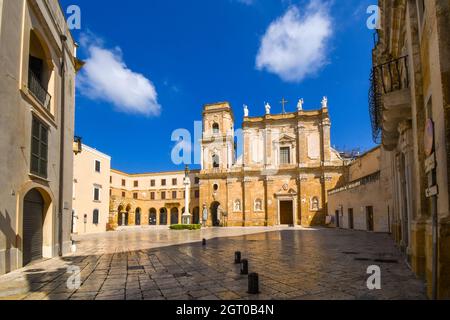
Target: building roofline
{"x": 95, "y": 151}
{"x": 152, "y": 173}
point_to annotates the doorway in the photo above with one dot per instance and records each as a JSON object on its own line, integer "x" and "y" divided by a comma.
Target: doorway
{"x": 33, "y": 219}
{"x": 287, "y": 212}
{"x": 138, "y": 217}
{"x": 351, "y": 219}
{"x": 338, "y": 220}
{"x": 215, "y": 214}
{"x": 369, "y": 215}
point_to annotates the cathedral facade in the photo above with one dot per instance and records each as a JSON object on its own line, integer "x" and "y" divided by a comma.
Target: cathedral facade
{"x": 282, "y": 177}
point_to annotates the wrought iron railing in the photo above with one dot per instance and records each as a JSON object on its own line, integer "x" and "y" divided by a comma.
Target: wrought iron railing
{"x": 375, "y": 107}
{"x": 38, "y": 91}
{"x": 384, "y": 79}
{"x": 394, "y": 75}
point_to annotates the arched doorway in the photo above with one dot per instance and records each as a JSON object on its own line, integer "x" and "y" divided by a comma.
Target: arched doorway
{"x": 163, "y": 217}
{"x": 214, "y": 214}
{"x": 119, "y": 216}
{"x": 137, "y": 220}
{"x": 33, "y": 221}
{"x": 196, "y": 216}
{"x": 152, "y": 217}
{"x": 174, "y": 216}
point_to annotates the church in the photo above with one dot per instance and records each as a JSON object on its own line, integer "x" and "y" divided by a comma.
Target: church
{"x": 283, "y": 176}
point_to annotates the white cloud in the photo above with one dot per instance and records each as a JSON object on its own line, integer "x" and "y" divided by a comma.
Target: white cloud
{"x": 295, "y": 45}
{"x": 106, "y": 77}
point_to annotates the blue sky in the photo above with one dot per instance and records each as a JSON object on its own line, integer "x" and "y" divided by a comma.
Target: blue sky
{"x": 152, "y": 65}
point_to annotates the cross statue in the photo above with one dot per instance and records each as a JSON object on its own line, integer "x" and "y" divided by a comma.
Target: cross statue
{"x": 283, "y": 103}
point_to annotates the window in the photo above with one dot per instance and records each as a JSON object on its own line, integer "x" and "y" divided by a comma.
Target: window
{"x": 152, "y": 196}
{"x": 163, "y": 195}
{"x": 216, "y": 128}
{"x": 285, "y": 155}
{"x": 96, "y": 194}
{"x": 124, "y": 183}
{"x": 135, "y": 195}
{"x": 39, "y": 148}
{"x": 174, "y": 194}
{"x": 163, "y": 182}
{"x": 197, "y": 194}
{"x": 136, "y": 184}
{"x": 197, "y": 180}
{"x": 97, "y": 166}
{"x": 174, "y": 182}
{"x": 95, "y": 216}
{"x": 152, "y": 183}
{"x": 39, "y": 73}
{"x": 216, "y": 187}
{"x": 216, "y": 161}
{"x": 123, "y": 195}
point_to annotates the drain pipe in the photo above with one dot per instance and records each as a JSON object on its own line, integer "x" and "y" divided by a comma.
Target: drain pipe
{"x": 62, "y": 145}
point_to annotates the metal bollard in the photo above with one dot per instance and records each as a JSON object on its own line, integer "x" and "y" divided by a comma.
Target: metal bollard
{"x": 253, "y": 283}
{"x": 237, "y": 257}
{"x": 204, "y": 242}
{"x": 244, "y": 267}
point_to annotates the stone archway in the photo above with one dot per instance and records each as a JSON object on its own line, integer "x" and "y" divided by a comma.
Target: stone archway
{"x": 163, "y": 217}
{"x": 137, "y": 217}
{"x": 152, "y": 217}
{"x": 174, "y": 216}
{"x": 215, "y": 214}
{"x": 196, "y": 216}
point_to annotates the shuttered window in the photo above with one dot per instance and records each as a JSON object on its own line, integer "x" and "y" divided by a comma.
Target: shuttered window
{"x": 97, "y": 166}
{"x": 39, "y": 149}
{"x": 285, "y": 155}
{"x": 95, "y": 216}
{"x": 96, "y": 194}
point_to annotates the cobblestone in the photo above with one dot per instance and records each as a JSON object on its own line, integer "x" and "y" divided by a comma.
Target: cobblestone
{"x": 292, "y": 263}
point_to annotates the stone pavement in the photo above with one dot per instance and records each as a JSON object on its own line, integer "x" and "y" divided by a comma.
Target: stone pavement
{"x": 159, "y": 264}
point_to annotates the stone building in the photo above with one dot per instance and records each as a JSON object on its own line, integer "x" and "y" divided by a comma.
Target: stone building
{"x": 37, "y": 93}
{"x": 282, "y": 178}
{"x": 91, "y": 185}
{"x": 364, "y": 200}
{"x": 410, "y": 99}
{"x": 152, "y": 198}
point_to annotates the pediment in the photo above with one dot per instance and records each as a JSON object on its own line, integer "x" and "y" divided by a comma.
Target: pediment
{"x": 285, "y": 138}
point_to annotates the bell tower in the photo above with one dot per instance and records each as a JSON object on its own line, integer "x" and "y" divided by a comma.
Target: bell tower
{"x": 218, "y": 152}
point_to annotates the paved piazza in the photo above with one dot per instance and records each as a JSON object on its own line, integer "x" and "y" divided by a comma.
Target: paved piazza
{"x": 158, "y": 264}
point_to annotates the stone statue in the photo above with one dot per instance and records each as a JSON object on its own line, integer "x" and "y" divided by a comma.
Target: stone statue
{"x": 245, "y": 110}
{"x": 204, "y": 215}
{"x": 300, "y": 105}
{"x": 324, "y": 103}
{"x": 268, "y": 107}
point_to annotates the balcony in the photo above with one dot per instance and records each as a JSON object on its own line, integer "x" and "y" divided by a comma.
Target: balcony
{"x": 390, "y": 100}
{"x": 38, "y": 91}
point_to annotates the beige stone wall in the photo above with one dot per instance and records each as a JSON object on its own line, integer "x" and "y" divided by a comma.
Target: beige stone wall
{"x": 424, "y": 38}
{"x": 85, "y": 180}
{"x": 17, "y": 20}
{"x": 144, "y": 203}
